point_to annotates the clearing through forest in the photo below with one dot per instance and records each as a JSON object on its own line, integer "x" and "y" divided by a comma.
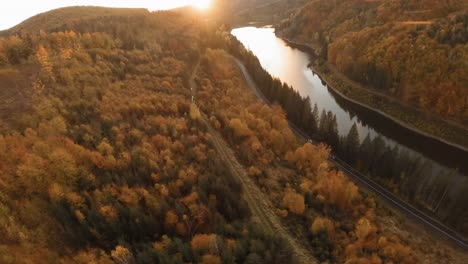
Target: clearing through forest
{"x": 262, "y": 209}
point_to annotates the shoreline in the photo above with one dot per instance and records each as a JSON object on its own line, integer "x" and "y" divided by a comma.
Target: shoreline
{"x": 311, "y": 51}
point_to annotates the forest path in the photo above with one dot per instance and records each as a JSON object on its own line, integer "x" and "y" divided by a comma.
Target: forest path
{"x": 262, "y": 209}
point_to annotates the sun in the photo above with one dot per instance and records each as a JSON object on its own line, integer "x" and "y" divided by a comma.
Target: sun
{"x": 202, "y": 4}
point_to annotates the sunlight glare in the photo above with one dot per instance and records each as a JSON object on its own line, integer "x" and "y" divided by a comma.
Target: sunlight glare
{"x": 202, "y": 4}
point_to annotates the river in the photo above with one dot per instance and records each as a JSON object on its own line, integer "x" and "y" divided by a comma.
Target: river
{"x": 290, "y": 65}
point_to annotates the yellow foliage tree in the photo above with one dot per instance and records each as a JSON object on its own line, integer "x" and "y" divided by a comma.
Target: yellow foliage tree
{"x": 121, "y": 255}
{"x": 42, "y": 56}
{"x": 336, "y": 189}
{"x": 194, "y": 112}
{"x": 365, "y": 229}
{"x": 171, "y": 218}
{"x": 211, "y": 259}
{"x": 163, "y": 243}
{"x": 203, "y": 241}
{"x": 109, "y": 212}
{"x": 309, "y": 157}
{"x": 323, "y": 224}
{"x": 239, "y": 128}
{"x": 294, "y": 202}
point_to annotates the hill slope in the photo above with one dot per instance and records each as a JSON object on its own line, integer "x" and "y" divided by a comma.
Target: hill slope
{"x": 107, "y": 158}
{"x": 412, "y": 50}
{"x": 243, "y": 12}
{"x": 106, "y": 161}
{"x": 51, "y": 21}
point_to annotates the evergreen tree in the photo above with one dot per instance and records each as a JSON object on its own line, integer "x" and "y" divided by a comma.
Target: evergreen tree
{"x": 334, "y": 139}
{"x": 365, "y": 154}
{"x": 352, "y": 144}
{"x": 323, "y": 126}
{"x": 315, "y": 119}
{"x": 385, "y": 164}
{"x": 342, "y": 147}
{"x": 378, "y": 148}
{"x": 306, "y": 118}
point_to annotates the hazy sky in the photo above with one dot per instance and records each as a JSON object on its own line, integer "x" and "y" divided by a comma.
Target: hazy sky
{"x": 13, "y": 12}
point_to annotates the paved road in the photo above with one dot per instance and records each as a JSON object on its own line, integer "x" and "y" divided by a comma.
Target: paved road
{"x": 362, "y": 180}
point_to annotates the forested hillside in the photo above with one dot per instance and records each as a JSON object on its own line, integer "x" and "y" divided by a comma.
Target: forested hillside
{"x": 101, "y": 160}
{"x": 104, "y": 157}
{"x": 267, "y": 12}
{"x": 243, "y": 12}
{"x": 414, "y": 50}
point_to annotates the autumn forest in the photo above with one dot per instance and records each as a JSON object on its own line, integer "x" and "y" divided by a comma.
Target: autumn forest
{"x": 129, "y": 136}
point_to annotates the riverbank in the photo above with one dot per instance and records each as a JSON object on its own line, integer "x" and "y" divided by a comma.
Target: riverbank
{"x": 401, "y": 209}
{"x": 406, "y": 116}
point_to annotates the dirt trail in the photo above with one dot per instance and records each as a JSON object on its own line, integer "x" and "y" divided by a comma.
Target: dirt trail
{"x": 262, "y": 209}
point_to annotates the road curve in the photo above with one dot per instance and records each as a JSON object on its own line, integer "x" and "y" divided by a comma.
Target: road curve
{"x": 362, "y": 180}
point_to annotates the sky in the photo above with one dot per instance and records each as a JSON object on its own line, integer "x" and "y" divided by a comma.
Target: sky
{"x": 12, "y": 12}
